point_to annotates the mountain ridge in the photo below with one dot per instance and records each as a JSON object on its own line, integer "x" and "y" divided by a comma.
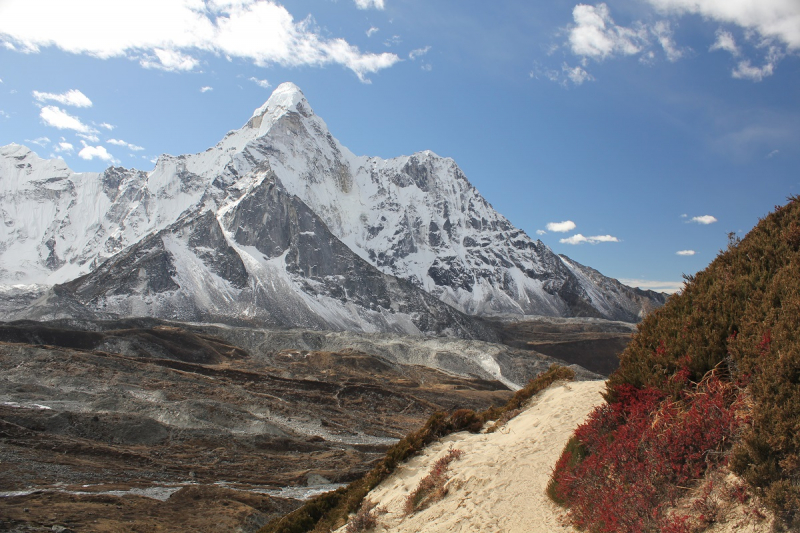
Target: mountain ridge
{"x": 414, "y": 218}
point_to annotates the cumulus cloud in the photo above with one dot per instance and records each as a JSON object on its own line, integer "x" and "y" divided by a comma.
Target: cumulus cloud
{"x": 72, "y": 97}
{"x": 685, "y": 252}
{"x": 205, "y": 89}
{"x": 580, "y": 239}
{"x": 106, "y": 125}
{"x": 778, "y": 19}
{"x": 595, "y": 34}
{"x": 367, "y": 4}
{"x": 540, "y": 232}
{"x": 561, "y": 227}
{"x": 264, "y": 84}
{"x": 58, "y": 118}
{"x": 89, "y": 153}
{"x": 705, "y": 220}
{"x": 171, "y": 34}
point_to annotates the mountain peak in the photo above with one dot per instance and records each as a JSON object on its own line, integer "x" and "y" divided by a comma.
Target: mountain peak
{"x": 287, "y": 97}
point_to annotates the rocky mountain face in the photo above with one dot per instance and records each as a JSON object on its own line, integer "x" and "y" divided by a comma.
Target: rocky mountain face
{"x": 279, "y": 224}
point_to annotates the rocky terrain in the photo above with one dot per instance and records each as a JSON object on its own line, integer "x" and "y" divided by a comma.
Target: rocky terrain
{"x": 137, "y": 422}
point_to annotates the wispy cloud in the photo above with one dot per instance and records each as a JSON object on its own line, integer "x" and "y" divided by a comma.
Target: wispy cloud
{"x": 41, "y": 141}
{"x": 107, "y": 126}
{"x": 73, "y": 97}
{"x": 119, "y": 142}
{"x": 685, "y": 252}
{"x": 705, "y": 220}
{"x": 580, "y": 239}
{"x": 725, "y": 41}
{"x": 58, "y": 118}
{"x": 206, "y": 89}
{"x": 561, "y": 227}
{"x": 372, "y": 31}
{"x": 773, "y": 154}
{"x": 413, "y": 54}
{"x": 64, "y": 147}
{"x": 264, "y": 84}
{"x": 541, "y": 232}
{"x": 260, "y": 31}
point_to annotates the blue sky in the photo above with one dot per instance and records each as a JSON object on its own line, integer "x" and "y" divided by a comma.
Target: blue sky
{"x": 630, "y": 135}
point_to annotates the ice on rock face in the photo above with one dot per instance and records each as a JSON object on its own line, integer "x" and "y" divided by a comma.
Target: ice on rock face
{"x": 415, "y": 217}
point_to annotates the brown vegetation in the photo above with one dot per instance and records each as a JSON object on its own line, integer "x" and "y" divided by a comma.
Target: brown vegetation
{"x": 738, "y": 321}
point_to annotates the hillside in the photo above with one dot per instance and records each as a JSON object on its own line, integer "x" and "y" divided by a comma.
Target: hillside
{"x": 709, "y": 380}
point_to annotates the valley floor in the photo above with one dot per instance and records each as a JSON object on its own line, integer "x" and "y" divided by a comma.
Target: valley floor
{"x": 498, "y": 485}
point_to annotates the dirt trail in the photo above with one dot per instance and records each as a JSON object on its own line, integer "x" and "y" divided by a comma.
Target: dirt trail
{"x": 499, "y": 483}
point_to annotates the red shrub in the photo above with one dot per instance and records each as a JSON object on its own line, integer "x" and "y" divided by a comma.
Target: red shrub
{"x": 634, "y": 452}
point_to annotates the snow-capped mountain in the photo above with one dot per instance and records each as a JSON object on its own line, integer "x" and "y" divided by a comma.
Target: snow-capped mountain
{"x": 281, "y": 223}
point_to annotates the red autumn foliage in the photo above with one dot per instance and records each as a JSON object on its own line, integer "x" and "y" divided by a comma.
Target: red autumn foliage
{"x": 627, "y": 462}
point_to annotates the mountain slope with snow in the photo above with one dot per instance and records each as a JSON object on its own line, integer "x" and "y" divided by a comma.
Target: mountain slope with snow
{"x": 293, "y": 226}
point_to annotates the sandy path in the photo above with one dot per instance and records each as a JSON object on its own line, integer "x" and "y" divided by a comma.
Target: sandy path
{"x": 499, "y": 483}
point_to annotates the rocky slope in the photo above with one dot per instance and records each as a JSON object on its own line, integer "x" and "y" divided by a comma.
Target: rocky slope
{"x": 282, "y": 225}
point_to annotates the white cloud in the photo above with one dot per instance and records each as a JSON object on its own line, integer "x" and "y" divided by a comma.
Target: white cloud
{"x": 64, "y": 146}
{"x": 170, "y": 60}
{"x": 427, "y": 67}
{"x": 264, "y": 84}
{"x": 580, "y": 239}
{"x": 41, "y": 141}
{"x": 745, "y": 71}
{"x": 392, "y": 41}
{"x": 58, "y": 118}
{"x": 366, "y": 4}
{"x": 119, "y": 142}
{"x": 413, "y": 54}
{"x": 685, "y": 252}
{"x": 772, "y": 154}
{"x": 205, "y": 89}
{"x": 669, "y": 287}
{"x": 4, "y": 114}
{"x": 595, "y": 34}
{"x": 372, "y": 31}
{"x": 561, "y": 227}
{"x": 663, "y": 33}
{"x": 725, "y": 41}
{"x": 576, "y": 74}
{"x": 540, "y": 232}
{"x": 94, "y": 152}
{"x": 72, "y": 97}
{"x": 107, "y": 126}
{"x": 779, "y": 19}
{"x": 705, "y": 220}
{"x": 89, "y": 137}
{"x": 172, "y": 34}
